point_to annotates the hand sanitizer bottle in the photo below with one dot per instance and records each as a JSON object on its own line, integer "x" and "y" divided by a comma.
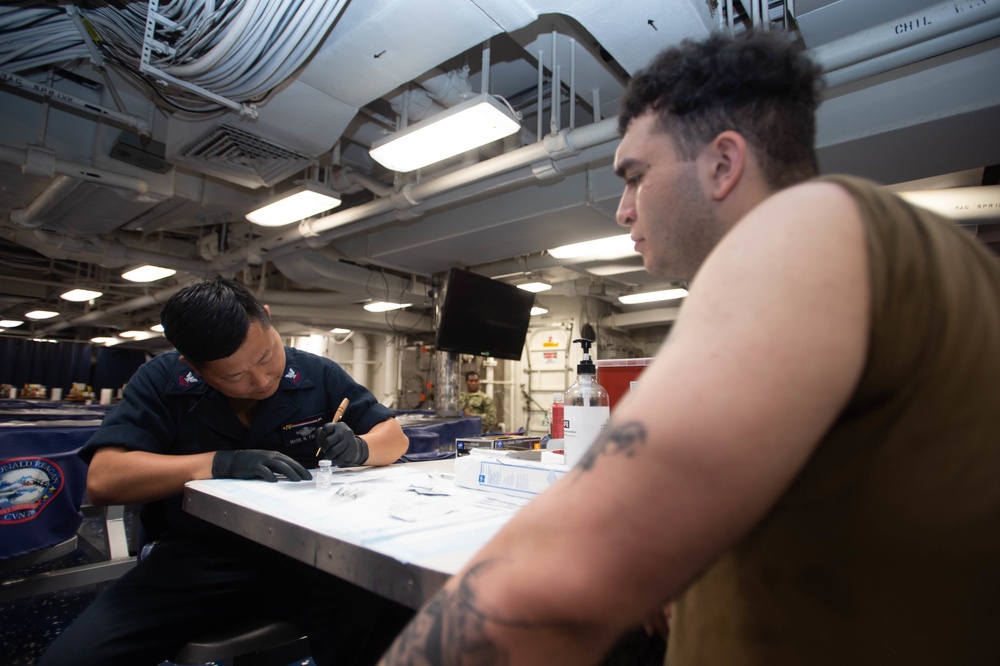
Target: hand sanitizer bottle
{"x": 324, "y": 477}
{"x": 587, "y": 408}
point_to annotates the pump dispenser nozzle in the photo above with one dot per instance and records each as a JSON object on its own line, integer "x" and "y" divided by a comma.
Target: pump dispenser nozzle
{"x": 586, "y": 366}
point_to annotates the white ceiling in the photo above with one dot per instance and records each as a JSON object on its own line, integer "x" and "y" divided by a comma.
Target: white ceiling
{"x": 913, "y": 96}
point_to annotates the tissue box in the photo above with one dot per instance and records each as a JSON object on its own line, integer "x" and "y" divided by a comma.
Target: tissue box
{"x": 465, "y": 444}
{"x": 514, "y": 454}
{"x": 521, "y": 478}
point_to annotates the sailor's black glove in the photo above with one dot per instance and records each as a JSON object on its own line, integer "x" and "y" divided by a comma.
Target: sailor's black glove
{"x": 339, "y": 444}
{"x": 256, "y": 464}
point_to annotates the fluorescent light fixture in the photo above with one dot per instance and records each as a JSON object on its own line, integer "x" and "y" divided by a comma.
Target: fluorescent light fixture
{"x": 605, "y": 270}
{"x": 957, "y": 203}
{"x": 10, "y": 323}
{"x": 382, "y": 306}
{"x": 535, "y": 287}
{"x": 538, "y": 310}
{"x": 147, "y": 273}
{"x": 157, "y": 328}
{"x": 80, "y": 295}
{"x": 613, "y": 247}
{"x": 104, "y": 340}
{"x": 652, "y": 296}
{"x": 473, "y": 123}
{"x": 44, "y": 340}
{"x": 304, "y": 200}
{"x": 136, "y": 335}
{"x": 340, "y": 331}
{"x": 41, "y": 314}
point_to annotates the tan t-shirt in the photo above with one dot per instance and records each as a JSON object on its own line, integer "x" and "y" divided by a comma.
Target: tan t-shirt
{"x": 886, "y": 547}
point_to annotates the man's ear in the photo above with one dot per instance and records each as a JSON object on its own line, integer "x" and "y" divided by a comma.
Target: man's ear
{"x": 267, "y": 309}
{"x": 725, "y": 159}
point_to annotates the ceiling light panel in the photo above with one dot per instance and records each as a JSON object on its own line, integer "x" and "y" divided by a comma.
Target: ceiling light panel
{"x": 304, "y": 200}
{"x": 612, "y": 247}
{"x": 465, "y": 126}
{"x": 80, "y": 295}
{"x": 653, "y": 296}
{"x": 148, "y": 273}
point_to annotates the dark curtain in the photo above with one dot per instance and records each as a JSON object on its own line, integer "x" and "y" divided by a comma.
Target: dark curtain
{"x": 52, "y": 364}
{"x": 115, "y": 366}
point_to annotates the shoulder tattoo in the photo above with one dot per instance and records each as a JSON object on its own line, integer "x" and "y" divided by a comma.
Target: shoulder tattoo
{"x": 624, "y": 439}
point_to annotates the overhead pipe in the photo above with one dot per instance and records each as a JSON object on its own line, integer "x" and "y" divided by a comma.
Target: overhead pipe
{"x": 270, "y": 296}
{"x": 55, "y": 246}
{"x": 54, "y": 192}
{"x": 128, "y": 254}
{"x": 905, "y": 31}
{"x": 39, "y": 161}
{"x": 320, "y": 268}
{"x": 370, "y": 183}
{"x": 920, "y": 51}
{"x": 139, "y": 125}
{"x": 353, "y": 317}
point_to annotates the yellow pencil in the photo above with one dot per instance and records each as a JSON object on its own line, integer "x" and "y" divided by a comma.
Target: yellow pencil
{"x": 336, "y": 417}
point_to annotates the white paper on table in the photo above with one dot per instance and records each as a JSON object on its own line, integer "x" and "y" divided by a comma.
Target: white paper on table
{"x": 389, "y": 518}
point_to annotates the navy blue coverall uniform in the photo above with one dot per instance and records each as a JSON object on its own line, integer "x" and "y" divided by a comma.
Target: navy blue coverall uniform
{"x": 199, "y": 575}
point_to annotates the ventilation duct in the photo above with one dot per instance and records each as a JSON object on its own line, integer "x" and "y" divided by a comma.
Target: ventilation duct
{"x": 242, "y": 158}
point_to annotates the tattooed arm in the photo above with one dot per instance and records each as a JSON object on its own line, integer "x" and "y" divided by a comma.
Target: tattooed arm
{"x": 719, "y": 425}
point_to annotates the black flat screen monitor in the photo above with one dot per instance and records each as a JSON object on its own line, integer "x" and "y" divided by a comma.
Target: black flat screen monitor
{"x": 483, "y": 317}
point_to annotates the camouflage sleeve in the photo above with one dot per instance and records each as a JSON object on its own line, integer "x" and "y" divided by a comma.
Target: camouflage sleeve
{"x": 489, "y": 415}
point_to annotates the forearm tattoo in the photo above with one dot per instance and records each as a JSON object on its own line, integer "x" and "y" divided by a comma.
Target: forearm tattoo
{"x": 451, "y": 629}
{"x": 622, "y": 439}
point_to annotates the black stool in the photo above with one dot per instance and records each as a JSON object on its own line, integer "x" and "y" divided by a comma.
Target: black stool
{"x": 254, "y": 643}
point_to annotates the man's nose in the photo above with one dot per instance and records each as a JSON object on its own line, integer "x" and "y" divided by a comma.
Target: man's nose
{"x": 625, "y": 216}
{"x": 259, "y": 379}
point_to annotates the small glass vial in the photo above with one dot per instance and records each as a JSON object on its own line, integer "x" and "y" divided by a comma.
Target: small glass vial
{"x": 324, "y": 477}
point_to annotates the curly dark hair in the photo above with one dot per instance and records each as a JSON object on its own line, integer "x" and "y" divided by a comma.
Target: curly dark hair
{"x": 759, "y": 84}
{"x": 209, "y": 320}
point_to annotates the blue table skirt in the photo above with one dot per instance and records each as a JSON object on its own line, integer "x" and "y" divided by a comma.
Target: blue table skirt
{"x": 42, "y": 485}
{"x": 441, "y": 436}
{"x": 43, "y": 481}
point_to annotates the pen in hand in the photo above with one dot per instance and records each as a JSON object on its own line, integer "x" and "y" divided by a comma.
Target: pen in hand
{"x": 336, "y": 417}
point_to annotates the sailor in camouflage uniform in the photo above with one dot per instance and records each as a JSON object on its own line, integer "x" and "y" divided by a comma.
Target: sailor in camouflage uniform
{"x": 477, "y": 403}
